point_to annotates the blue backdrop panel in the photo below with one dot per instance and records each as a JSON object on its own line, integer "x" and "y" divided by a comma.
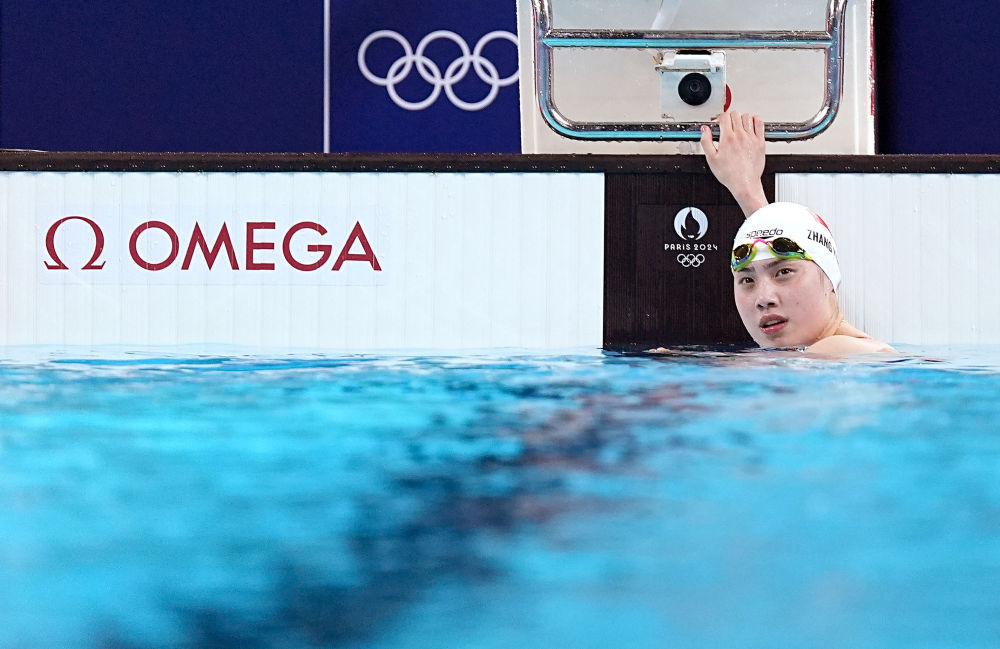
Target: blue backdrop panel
{"x": 428, "y": 88}
{"x": 248, "y": 75}
{"x": 161, "y": 75}
{"x": 937, "y": 76}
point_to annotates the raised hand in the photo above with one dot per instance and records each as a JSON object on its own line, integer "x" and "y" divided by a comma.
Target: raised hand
{"x": 738, "y": 158}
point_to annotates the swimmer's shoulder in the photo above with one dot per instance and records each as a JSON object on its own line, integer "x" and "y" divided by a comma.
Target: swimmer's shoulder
{"x": 842, "y": 344}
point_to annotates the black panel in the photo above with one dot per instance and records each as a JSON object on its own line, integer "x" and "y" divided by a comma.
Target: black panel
{"x": 667, "y": 279}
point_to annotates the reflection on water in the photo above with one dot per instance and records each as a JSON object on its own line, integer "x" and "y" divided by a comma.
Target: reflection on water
{"x": 689, "y": 500}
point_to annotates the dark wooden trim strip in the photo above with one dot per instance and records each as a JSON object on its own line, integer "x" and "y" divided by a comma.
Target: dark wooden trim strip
{"x": 488, "y": 163}
{"x": 896, "y": 164}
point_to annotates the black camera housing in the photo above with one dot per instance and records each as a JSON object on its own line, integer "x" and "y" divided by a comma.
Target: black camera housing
{"x": 694, "y": 89}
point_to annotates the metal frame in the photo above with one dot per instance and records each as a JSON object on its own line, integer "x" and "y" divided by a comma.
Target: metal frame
{"x": 548, "y": 39}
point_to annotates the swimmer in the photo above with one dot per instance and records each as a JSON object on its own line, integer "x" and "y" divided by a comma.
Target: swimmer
{"x": 784, "y": 259}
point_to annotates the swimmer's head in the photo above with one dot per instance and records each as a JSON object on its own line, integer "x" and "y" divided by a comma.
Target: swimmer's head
{"x": 786, "y": 231}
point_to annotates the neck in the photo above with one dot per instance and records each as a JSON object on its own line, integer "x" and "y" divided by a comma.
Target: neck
{"x": 847, "y": 329}
{"x": 836, "y": 325}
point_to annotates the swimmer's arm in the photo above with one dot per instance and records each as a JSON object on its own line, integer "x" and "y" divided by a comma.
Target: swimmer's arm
{"x": 738, "y": 159}
{"x": 840, "y": 345}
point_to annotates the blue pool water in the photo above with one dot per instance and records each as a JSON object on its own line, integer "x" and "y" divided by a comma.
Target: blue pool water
{"x": 577, "y": 500}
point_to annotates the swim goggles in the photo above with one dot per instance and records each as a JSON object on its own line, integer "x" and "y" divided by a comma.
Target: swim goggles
{"x": 781, "y": 247}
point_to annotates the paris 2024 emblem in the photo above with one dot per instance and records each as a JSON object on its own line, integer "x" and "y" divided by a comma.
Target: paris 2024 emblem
{"x": 691, "y": 226}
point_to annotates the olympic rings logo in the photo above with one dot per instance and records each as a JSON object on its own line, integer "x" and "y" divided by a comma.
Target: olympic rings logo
{"x": 690, "y": 261}
{"x": 431, "y": 73}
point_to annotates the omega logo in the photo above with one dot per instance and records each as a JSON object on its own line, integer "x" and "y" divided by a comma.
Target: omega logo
{"x": 198, "y": 242}
{"x": 50, "y": 245}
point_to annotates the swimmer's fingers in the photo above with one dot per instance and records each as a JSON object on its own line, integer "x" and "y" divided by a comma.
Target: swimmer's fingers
{"x": 711, "y": 151}
{"x": 734, "y": 122}
{"x": 667, "y": 350}
{"x": 748, "y": 123}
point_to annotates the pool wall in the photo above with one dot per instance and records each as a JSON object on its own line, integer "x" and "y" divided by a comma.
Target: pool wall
{"x": 351, "y": 261}
{"x": 437, "y": 252}
{"x": 917, "y": 251}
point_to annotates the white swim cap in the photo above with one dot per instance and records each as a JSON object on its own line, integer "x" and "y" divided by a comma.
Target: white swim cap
{"x": 795, "y": 222}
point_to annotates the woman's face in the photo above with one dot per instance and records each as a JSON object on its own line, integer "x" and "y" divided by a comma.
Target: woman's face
{"x": 786, "y": 302}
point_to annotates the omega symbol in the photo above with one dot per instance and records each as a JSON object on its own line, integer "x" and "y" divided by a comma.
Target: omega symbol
{"x": 50, "y": 245}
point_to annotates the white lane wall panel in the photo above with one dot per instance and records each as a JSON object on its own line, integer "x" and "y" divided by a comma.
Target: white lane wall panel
{"x": 915, "y": 251}
{"x": 463, "y": 260}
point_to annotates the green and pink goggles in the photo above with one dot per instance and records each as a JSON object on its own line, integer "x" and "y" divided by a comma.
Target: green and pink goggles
{"x": 780, "y": 247}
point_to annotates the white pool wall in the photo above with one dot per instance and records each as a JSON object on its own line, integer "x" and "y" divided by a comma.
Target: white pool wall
{"x": 918, "y": 251}
{"x": 467, "y": 260}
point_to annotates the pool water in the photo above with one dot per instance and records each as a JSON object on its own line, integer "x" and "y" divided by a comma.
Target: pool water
{"x": 585, "y": 499}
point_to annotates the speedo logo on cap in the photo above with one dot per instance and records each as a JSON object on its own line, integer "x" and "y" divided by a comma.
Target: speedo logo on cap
{"x": 765, "y": 234}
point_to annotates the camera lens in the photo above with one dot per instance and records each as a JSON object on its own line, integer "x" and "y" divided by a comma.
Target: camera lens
{"x": 695, "y": 89}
